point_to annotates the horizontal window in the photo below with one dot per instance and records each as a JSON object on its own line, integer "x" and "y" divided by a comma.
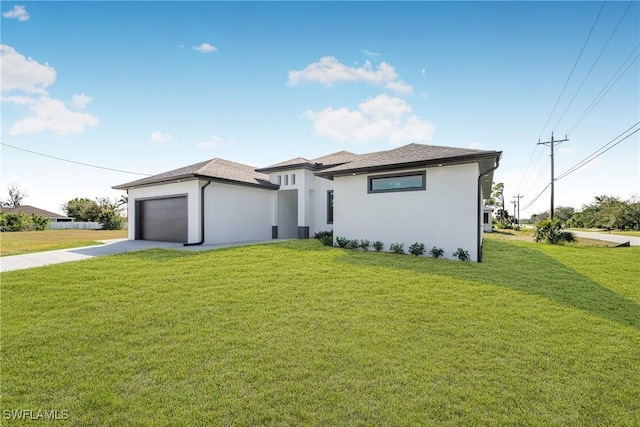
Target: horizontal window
{"x": 400, "y": 182}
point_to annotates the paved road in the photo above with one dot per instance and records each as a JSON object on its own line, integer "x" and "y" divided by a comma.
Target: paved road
{"x": 635, "y": 241}
{"x": 110, "y": 247}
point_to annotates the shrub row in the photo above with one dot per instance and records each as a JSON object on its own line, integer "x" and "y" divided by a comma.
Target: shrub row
{"x": 22, "y": 222}
{"x": 417, "y": 249}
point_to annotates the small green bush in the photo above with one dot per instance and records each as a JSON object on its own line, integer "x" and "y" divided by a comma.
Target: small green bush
{"x": 365, "y": 245}
{"x": 416, "y": 249}
{"x": 552, "y": 232}
{"x": 378, "y": 245}
{"x": 397, "y": 248}
{"x": 353, "y": 244}
{"x": 567, "y": 236}
{"x": 462, "y": 255}
{"x": 22, "y": 222}
{"x": 325, "y": 237}
{"x": 436, "y": 252}
{"x": 342, "y": 241}
{"x": 110, "y": 220}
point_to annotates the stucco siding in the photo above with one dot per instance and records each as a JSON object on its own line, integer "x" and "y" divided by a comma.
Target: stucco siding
{"x": 318, "y": 206}
{"x": 445, "y": 214}
{"x": 190, "y": 188}
{"x": 235, "y": 213}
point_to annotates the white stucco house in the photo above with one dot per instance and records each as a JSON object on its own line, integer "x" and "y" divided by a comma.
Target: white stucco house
{"x": 415, "y": 193}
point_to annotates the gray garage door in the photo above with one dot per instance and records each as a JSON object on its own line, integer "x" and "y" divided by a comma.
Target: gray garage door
{"x": 162, "y": 219}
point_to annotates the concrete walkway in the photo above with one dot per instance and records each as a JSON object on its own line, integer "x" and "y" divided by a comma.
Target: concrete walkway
{"x": 616, "y": 238}
{"x": 109, "y": 247}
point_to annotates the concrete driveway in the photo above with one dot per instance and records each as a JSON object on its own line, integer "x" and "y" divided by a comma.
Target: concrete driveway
{"x": 109, "y": 247}
{"x": 616, "y": 238}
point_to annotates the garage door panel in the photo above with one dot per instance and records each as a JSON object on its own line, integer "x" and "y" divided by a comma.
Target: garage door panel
{"x": 163, "y": 219}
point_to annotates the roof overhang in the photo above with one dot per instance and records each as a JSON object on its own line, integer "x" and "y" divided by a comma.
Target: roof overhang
{"x": 308, "y": 166}
{"x": 190, "y": 177}
{"x": 486, "y": 160}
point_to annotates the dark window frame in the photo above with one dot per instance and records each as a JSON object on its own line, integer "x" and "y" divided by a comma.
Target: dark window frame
{"x": 293, "y": 179}
{"x": 329, "y": 206}
{"x": 370, "y": 179}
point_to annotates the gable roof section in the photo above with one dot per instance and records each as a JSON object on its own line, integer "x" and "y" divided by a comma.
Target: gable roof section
{"x": 412, "y": 155}
{"x": 31, "y": 210}
{"x": 320, "y": 163}
{"x": 338, "y": 158}
{"x": 215, "y": 170}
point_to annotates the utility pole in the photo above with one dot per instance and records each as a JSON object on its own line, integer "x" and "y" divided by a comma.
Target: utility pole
{"x": 551, "y": 144}
{"x": 514, "y": 208}
{"x": 518, "y": 197}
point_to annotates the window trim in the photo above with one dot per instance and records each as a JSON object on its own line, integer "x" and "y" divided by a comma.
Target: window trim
{"x": 286, "y": 180}
{"x": 329, "y": 206}
{"x": 370, "y": 179}
{"x": 293, "y": 179}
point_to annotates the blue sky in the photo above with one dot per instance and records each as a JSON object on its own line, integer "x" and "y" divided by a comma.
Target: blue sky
{"x": 152, "y": 86}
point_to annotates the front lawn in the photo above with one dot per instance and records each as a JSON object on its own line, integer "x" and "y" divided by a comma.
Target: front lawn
{"x": 22, "y": 242}
{"x": 296, "y": 333}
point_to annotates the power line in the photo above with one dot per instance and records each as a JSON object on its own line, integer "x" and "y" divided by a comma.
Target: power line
{"x": 544, "y": 168}
{"x": 603, "y": 92}
{"x": 572, "y": 70}
{"x": 594, "y": 64}
{"x": 600, "y": 151}
{"x": 72, "y": 161}
{"x": 526, "y": 170}
{"x": 536, "y": 198}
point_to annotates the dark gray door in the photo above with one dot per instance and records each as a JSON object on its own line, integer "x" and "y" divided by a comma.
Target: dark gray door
{"x": 162, "y": 219}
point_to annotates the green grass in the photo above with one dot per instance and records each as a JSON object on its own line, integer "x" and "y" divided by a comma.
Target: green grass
{"x": 300, "y": 334}
{"x": 24, "y": 242}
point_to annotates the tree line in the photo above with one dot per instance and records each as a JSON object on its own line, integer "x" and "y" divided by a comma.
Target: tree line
{"x": 102, "y": 210}
{"x": 605, "y": 211}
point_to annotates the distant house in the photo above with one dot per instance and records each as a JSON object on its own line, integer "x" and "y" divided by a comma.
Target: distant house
{"x": 30, "y": 210}
{"x": 487, "y": 218}
{"x": 415, "y": 193}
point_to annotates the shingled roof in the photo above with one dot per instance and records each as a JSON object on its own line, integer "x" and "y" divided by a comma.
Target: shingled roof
{"x": 320, "y": 163}
{"x": 412, "y": 155}
{"x": 215, "y": 169}
{"x": 30, "y": 210}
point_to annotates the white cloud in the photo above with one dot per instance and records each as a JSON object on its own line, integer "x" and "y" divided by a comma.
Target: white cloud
{"x": 329, "y": 71}
{"x": 399, "y": 86}
{"x": 22, "y": 73}
{"x": 18, "y": 12}
{"x": 215, "y": 141}
{"x": 380, "y": 118}
{"x": 161, "y": 137}
{"x": 18, "y": 100}
{"x": 206, "y": 48}
{"x": 80, "y": 100}
{"x": 475, "y": 146}
{"x": 385, "y": 106}
{"x": 52, "y": 114}
{"x": 369, "y": 53}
